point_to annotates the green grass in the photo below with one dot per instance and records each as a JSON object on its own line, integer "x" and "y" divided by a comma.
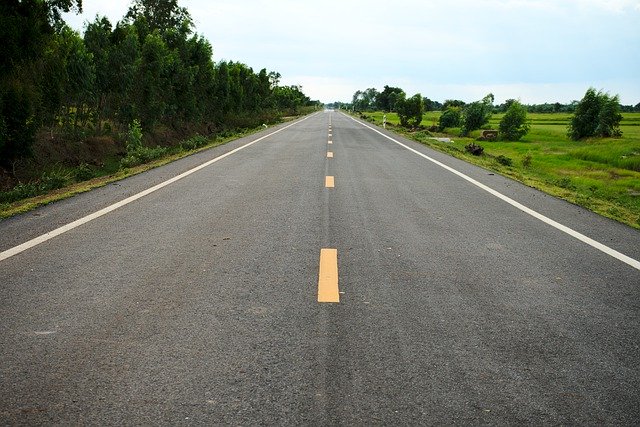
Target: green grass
{"x": 602, "y": 175}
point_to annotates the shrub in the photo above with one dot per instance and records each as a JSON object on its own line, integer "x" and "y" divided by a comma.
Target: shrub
{"x": 83, "y": 172}
{"x": 450, "y": 118}
{"x": 504, "y": 160}
{"x": 476, "y": 114}
{"x": 526, "y": 160}
{"x": 134, "y": 137}
{"x": 136, "y": 152}
{"x": 513, "y": 125}
{"x": 474, "y": 149}
{"x": 194, "y": 142}
{"x": 17, "y": 121}
{"x": 597, "y": 114}
{"x": 410, "y": 110}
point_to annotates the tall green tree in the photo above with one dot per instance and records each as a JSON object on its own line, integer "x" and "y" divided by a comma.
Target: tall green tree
{"x": 27, "y": 30}
{"x": 158, "y": 15}
{"x": 513, "y": 124}
{"x": 97, "y": 40}
{"x": 410, "y": 111}
{"x": 597, "y": 114}
{"x": 477, "y": 114}
{"x": 450, "y": 118}
{"x": 387, "y": 99}
{"x": 154, "y": 87}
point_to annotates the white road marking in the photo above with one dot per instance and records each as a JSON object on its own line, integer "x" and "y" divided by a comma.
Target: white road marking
{"x": 77, "y": 223}
{"x": 589, "y": 241}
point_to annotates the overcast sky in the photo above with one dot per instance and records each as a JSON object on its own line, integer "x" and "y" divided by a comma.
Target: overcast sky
{"x": 535, "y": 50}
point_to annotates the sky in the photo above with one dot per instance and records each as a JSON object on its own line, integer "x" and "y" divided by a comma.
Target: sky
{"x": 536, "y": 51}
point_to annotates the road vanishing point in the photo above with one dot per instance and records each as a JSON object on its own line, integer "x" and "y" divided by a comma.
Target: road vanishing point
{"x": 321, "y": 272}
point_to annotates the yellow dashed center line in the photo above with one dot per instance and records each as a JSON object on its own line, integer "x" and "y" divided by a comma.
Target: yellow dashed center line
{"x": 329, "y": 182}
{"x": 329, "y": 154}
{"x": 328, "y": 276}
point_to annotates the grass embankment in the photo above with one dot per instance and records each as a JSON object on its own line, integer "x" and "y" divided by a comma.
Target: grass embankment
{"x": 62, "y": 182}
{"x": 602, "y": 175}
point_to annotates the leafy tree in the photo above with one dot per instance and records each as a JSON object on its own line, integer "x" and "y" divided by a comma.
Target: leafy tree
{"x": 452, "y": 103}
{"x": 386, "y": 100}
{"x": 124, "y": 64}
{"x": 476, "y": 114}
{"x": 17, "y": 110}
{"x": 153, "y": 78}
{"x": 450, "y": 118}
{"x": 513, "y": 124}
{"x": 429, "y": 105}
{"x": 410, "y": 110}
{"x": 27, "y": 30}
{"x": 158, "y": 15}
{"x": 597, "y": 114}
{"x": 365, "y": 100}
{"x": 97, "y": 40}
{"x": 79, "y": 77}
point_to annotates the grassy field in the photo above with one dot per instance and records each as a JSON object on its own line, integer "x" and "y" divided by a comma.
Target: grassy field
{"x": 602, "y": 175}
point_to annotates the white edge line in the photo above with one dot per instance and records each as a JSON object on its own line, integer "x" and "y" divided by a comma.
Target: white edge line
{"x": 77, "y": 223}
{"x": 589, "y": 241}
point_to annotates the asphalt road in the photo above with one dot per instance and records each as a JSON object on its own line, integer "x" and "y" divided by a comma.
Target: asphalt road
{"x": 198, "y": 303}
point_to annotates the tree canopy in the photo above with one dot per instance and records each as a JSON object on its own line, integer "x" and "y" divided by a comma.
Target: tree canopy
{"x": 150, "y": 67}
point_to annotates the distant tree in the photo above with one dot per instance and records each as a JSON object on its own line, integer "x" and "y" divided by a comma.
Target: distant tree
{"x": 502, "y": 108}
{"x": 410, "y": 111}
{"x": 452, "y": 103}
{"x": 428, "y": 104}
{"x": 365, "y": 100}
{"x": 450, "y": 118}
{"x": 597, "y": 114}
{"x": 436, "y": 106}
{"x": 161, "y": 15}
{"x": 476, "y": 114}
{"x": 513, "y": 124}
{"x": 386, "y": 100}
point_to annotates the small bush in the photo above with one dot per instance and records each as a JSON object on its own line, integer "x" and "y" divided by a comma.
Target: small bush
{"x": 476, "y": 114}
{"x": 565, "y": 182}
{"x": 194, "y": 142}
{"x": 450, "y": 118}
{"x": 526, "y": 160}
{"x": 504, "y": 160}
{"x": 134, "y": 137}
{"x": 474, "y": 149}
{"x": 49, "y": 181}
{"x": 513, "y": 125}
{"x": 53, "y": 180}
{"x": 136, "y": 152}
{"x": 83, "y": 172}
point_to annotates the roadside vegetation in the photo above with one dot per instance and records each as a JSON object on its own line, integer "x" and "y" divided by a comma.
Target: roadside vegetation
{"x": 77, "y": 108}
{"x": 600, "y": 174}
{"x": 586, "y": 152}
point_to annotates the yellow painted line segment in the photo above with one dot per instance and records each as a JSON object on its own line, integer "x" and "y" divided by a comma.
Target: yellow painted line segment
{"x": 329, "y": 154}
{"x": 329, "y": 182}
{"x": 328, "y": 276}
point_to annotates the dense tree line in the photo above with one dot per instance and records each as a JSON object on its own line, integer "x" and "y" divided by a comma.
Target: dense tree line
{"x": 373, "y": 100}
{"x": 151, "y": 66}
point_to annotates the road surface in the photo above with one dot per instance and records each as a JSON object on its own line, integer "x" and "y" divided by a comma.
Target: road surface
{"x": 203, "y": 301}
